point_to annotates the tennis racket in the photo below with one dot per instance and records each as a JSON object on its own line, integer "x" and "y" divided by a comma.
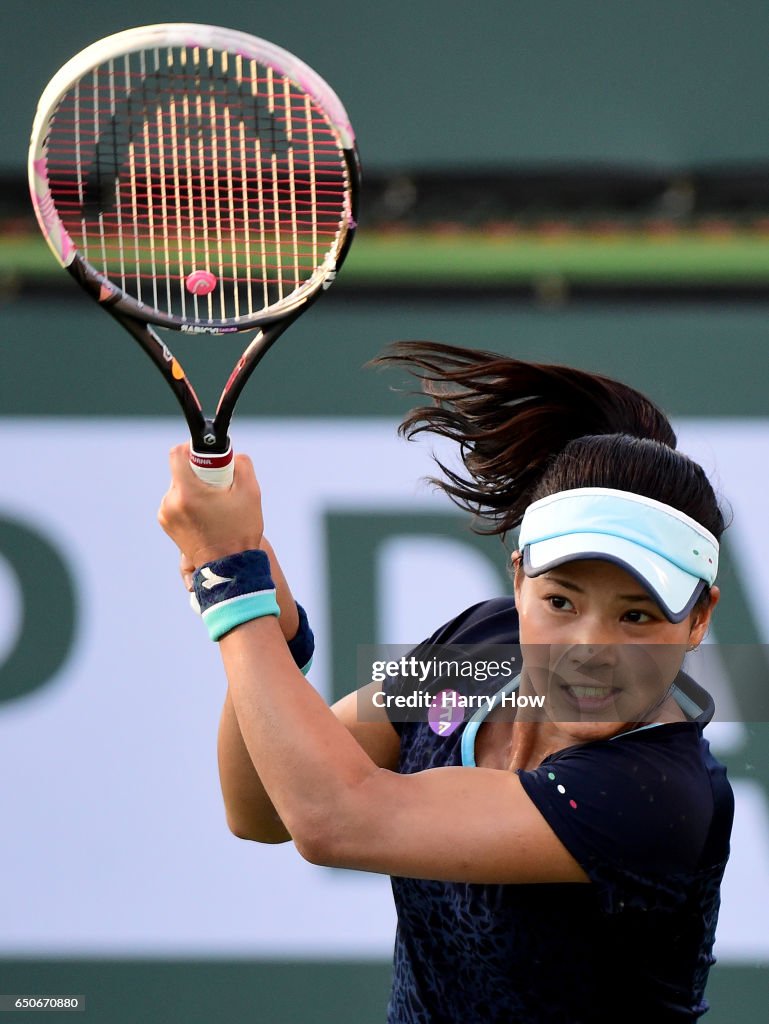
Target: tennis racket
{"x": 199, "y": 179}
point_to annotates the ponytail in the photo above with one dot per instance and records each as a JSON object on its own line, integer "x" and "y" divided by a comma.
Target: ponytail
{"x": 526, "y": 430}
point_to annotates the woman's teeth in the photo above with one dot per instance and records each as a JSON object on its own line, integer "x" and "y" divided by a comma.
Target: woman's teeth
{"x": 589, "y": 691}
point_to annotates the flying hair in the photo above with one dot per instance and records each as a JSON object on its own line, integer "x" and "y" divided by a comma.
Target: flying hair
{"x": 526, "y": 430}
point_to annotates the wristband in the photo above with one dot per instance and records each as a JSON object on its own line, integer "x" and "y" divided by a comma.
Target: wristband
{"x": 302, "y": 647}
{"x": 234, "y": 590}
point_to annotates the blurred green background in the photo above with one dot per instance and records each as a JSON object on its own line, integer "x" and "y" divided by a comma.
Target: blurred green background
{"x": 452, "y": 84}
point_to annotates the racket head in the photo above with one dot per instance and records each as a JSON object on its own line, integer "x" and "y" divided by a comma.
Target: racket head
{"x": 195, "y": 177}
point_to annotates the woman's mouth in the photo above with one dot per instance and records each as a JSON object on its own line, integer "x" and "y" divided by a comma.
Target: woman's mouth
{"x": 590, "y": 698}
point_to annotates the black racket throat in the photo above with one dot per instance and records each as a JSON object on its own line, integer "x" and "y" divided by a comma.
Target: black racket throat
{"x": 208, "y": 435}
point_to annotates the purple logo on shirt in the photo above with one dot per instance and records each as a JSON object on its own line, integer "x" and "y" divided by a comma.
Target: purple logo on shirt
{"x": 445, "y": 714}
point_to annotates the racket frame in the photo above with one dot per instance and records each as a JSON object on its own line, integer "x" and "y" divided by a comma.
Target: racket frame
{"x": 209, "y": 436}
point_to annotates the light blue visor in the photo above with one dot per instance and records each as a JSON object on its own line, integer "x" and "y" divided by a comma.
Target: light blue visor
{"x": 668, "y": 552}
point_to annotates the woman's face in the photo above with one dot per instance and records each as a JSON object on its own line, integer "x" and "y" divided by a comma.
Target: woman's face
{"x": 598, "y": 646}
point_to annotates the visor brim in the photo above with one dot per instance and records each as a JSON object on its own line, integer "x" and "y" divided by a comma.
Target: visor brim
{"x": 675, "y": 590}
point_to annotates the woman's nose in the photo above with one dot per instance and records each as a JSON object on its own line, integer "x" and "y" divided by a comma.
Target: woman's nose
{"x": 598, "y": 655}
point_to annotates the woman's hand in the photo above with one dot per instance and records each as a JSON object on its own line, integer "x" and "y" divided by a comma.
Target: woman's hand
{"x": 187, "y": 571}
{"x": 208, "y": 522}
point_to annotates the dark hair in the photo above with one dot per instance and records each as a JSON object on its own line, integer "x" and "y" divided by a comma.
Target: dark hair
{"x": 526, "y": 430}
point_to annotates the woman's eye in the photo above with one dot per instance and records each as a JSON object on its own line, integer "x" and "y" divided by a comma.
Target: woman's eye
{"x": 637, "y": 616}
{"x": 558, "y": 602}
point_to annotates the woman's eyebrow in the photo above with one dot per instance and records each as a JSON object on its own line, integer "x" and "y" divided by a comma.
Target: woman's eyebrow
{"x": 568, "y": 585}
{"x": 562, "y": 582}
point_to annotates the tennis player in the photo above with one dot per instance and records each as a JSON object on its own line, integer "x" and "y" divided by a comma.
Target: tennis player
{"x": 562, "y": 868}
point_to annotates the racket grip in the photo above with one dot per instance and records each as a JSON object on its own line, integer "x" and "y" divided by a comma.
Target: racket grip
{"x": 216, "y": 470}
{"x": 213, "y": 468}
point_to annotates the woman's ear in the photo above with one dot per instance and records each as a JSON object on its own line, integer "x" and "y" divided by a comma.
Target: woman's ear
{"x": 701, "y": 618}
{"x": 517, "y": 572}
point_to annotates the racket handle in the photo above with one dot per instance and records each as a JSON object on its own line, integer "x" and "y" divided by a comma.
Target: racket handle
{"x": 216, "y": 470}
{"x": 213, "y": 468}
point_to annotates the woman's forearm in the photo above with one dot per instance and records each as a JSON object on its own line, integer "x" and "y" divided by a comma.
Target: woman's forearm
{"x": 250, "y": 812}
{"x": 308, "y": 762}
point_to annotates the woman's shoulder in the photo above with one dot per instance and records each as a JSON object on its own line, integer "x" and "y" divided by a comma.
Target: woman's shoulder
{"x": 651, "y": 803}
{"x": 661, "y": 777}
{"x": 673, "y": 752}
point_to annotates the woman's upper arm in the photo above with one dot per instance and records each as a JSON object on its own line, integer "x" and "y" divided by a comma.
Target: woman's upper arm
{"x": 376, "y": 735}
{"x": 449, "y": 824}
{"x": 454, "y": 824}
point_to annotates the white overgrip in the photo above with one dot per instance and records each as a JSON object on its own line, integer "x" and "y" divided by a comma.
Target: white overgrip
{"x": 214, "y": 469}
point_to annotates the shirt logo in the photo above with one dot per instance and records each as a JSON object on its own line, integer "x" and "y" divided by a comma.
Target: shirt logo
{"x": 445, "y": 714}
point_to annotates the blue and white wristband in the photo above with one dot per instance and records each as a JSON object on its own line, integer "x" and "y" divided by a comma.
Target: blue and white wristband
{"x": 238, "y": 588}
{"x": 234, "y": 590}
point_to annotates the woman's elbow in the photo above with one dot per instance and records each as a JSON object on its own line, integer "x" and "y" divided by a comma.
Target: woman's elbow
{"x": 258, "y": 833}
{"x": 343, "y": 833}
{"x": 330, "y": 840}
{"x": 317, "y": 848}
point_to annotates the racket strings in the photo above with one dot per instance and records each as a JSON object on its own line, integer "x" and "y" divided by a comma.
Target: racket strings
{"x": 167, "y": 162}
